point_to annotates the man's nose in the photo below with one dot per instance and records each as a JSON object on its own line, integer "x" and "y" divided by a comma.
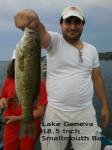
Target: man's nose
{"x": 73, "y": 25}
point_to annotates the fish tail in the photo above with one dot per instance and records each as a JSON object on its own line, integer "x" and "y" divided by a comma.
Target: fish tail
{"x": 27, "y": 129}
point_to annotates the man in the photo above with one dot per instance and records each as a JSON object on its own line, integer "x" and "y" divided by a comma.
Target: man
{"x": 73, "y": 71}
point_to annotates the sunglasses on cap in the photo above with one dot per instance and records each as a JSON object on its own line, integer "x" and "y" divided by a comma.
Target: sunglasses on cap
{"x": 74, "y": 20}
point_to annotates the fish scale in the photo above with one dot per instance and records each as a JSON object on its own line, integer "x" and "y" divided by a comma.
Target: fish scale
{"x": 27, "y": 76}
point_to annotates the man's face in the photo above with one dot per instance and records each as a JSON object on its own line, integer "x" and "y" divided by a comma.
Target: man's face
{"x": 72, "y": 28}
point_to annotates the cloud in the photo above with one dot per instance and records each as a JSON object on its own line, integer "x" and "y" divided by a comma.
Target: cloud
{"x": 48, "y": 8}
{"x": 51, "y": 5}
{"x": 98, "y": 14}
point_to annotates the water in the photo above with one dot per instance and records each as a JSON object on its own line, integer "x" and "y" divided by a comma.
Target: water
{"x": 106, "y": 67}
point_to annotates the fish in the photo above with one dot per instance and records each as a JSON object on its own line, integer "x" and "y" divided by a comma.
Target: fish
{"x": 27, "y": 77}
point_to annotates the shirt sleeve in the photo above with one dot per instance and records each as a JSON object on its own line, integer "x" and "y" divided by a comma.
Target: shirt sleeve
{"x": 14, "y": 51}
{"x": 96, "y": 59}
{"x": 3, "y": 90}
{"x": 54, "y": 39}
{"x": 8, "y": 88}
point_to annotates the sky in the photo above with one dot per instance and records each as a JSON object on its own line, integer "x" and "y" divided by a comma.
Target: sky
{"x": 97, "y": 13}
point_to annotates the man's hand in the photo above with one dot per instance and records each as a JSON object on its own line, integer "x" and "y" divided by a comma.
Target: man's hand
{"x": 105, "y": 116}
{"x": 26, "y": 18}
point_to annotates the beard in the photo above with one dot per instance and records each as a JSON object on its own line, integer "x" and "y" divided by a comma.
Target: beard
{"x": 72, "y": 38}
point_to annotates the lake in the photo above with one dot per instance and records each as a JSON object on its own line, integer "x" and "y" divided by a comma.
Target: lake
{"x": 106, "y": 67}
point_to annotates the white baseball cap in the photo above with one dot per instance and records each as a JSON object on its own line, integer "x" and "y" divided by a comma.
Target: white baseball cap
{"x": 72, "y": 11}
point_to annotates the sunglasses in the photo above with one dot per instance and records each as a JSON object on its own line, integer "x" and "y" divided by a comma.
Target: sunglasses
{"x": 73, "y": 20}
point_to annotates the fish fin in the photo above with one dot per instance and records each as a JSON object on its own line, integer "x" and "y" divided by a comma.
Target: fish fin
{"x": 27, "y": 128}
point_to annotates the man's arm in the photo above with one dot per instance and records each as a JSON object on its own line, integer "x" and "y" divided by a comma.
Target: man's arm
{"x": 44, "y": 35}
{"x": 29, "y": 18}
{"x": 99, "y": 88}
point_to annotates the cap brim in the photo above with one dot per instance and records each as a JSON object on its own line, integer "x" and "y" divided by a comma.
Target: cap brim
{"x": 72, "y": 14}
